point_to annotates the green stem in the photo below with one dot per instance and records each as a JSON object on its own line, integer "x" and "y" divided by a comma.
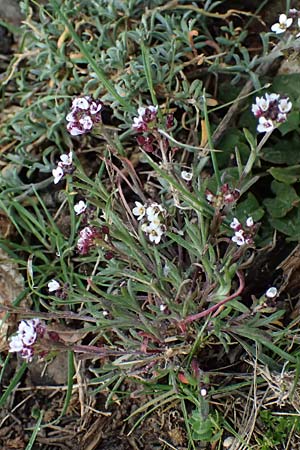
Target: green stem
{"x": 210, "y": 142}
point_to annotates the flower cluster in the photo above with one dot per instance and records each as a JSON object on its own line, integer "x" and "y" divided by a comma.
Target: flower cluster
{"x": 224, "y": 197}
{"x": 146, "y": 119}
{"x": 27, "y": 334}
{"x": 243, "y": 235}
{"x": 64, "y": 166}
{"x": 89, "y": 237}
{"x": 151, "y": 216}
{"x": 271, "y": 110}
{"x": 85, "y": 113}
{"x": 285, "y": 22}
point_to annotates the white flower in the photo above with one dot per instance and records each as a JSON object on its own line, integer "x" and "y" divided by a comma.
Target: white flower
{"x": 263, "y": 103}
{"x": 86, "y": 233}
{"x": 86, "y": 122}
{"x": 57, "y": 173}
{"x": 141, "y": 112}
{"x": 53, "y": 286}
{"x": 154, "y": 233}
{"x": 80, "y": 207}
{"x": 209, "y": 197}
{"x": 81, "y": 102}
{"x": 238, "y": 238}
{"x": 73, "y": 130}
{"x": 95, "y": 107}
{"x": 15, "y": 343}
{"x": 235, "y": 223}
{"x": 203, "y": 392}
{"x": 282, "y": 25}
{"x": 139, "y": 210}
{"x": 272, "y": 97}
{"x": 255, "y": 109}
{"x": 137, "y": 122}
{"x": 71, "y": 117}
{"x": 187, "y": 176}
{"x": 27, "y": 332}
{"x": 271, "y": 292}
{"x": 249, "y": 222}
{"x": 281, "y": 118}
{"x": 66, "y": 159}
{"x": 153, "y": 211}
{"x": 265, "y": 125}
{"x": 284, "y": 105}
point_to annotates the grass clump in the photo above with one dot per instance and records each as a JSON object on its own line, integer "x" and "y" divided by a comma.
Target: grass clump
{"x": 140, "y": 220}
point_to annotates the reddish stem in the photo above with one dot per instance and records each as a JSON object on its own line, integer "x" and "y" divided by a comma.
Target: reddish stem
{"x": 213, "y": 308}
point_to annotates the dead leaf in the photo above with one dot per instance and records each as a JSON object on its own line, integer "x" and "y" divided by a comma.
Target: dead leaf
{"x": 11, "y": 285}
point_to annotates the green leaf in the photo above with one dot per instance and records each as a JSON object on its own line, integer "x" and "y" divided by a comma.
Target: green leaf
{"x": 288, "y": 84}
{"x": 283, "y": 152}
{"x": 249, "y": 208}
{"x": 285, "y": 200}
{"x": 289, "y": 225}
{"x": 288, "y": 175}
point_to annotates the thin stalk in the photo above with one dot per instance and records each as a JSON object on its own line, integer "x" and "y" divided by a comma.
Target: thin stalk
{"x": 210, "y": 142}
{"x": 215, "y": 307}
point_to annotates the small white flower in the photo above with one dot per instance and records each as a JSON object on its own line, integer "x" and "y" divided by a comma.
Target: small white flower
{"x": 162, "y": 307}
{"x": 57, "y": 173}
{"x": 53, "y": 286}
{"x": 153, "y": 231}
{"x": 27, "y": 332}
{"x": 71, "y": 117}
{"x": 86, "y": 122}
{"x": 80, "y": 207}
{"x": 137, "y": 122}
{"x": 141, "y": 111}
{"x": 152, "y": 108}
{"x": 66, "y": 159}
{"x": 81, "y": 102}
{"x": 139, "y": 210}
{"x": 249, "y": 222}
{"x": 86, "y": 233}
{"x": 73, "y": 130}
{"x": 187, "y": 176}
{"x": 95, "y": 107}
{"x": 271, "y": 292}
{"x": 15, "y": 343}
{"x": 203, "y": 392}
{"x": 265, "y": 125}
{"x": 155, "y": 234}
{"x": 209, "y": 197}
{"x": 235, "y": 223}
{"x": 263, "y": 103}
{"x": 284, "y": 105}
{"x": 272, "y": 97}
{"x": 281, "y": 118}
{"x": 153, "y": 211}
{"x": 255, "y": 110}
{"x": 283, "y": 24}
{"x": 238, "y": 238}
